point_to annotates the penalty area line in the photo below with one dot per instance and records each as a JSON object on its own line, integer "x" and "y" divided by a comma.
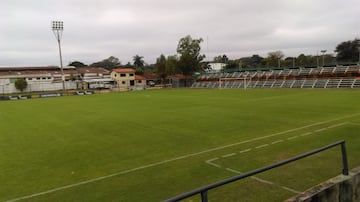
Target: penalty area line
{"x": 174, "y": 159}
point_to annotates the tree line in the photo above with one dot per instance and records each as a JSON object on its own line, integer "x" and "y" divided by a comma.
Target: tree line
{"x": 189, "y": 59}
{"x": 346, "y": 53}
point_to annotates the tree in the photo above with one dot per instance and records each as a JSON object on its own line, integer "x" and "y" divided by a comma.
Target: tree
{"x": 109, "y": 63}
{"x": 21, "y": 84}
{"x": 221, "y": 59}
{"x": 138, "y": 61}
{"x": 77, "y": 64}
{"x": 274, "y": 58}
{"x": 161, "y": 66}
{"x": 348, "y": 51}
{"x": 190, "y": 57}
{"x": 251, "y": 62}
{"x": 172, "y": 64}
{"x": 232, "y": 64}
{"x": 128, "y": 65}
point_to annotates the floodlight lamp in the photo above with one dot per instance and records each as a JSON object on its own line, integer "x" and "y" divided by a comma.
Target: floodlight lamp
{"x": 57, "y": 25}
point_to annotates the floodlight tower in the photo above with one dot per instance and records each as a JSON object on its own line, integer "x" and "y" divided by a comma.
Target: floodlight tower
{"x": 359, "y": 49}
{"x": 57, "y": 28}
{"x": 323, "y": 57}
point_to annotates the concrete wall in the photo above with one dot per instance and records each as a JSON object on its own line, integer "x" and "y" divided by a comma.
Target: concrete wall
{"x": 339, "y": 189}
{"x": 38, "y": 87}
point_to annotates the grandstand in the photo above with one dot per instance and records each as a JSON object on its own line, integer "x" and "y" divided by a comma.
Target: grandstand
{"x": 318, "y": 77}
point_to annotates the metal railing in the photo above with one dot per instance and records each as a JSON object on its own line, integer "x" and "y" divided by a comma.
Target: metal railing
{"x": 203, "y": 191}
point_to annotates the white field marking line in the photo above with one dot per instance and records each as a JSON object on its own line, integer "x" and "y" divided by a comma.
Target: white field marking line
{"x": 265, "y": 145}
{"x": 261, "y": 146}
{"x": 294, "y": 137}
{"x": 210, "y": 160}
{"x": 175, "y": 159}
{"x": 253, "y": 177}
{"x": 244, "y": 151}
{"x": 213, "y": 164}
{"x": 320, "y": 130}
{"x": 291, "y": 190}
{"x": 233, "y": 171}
{"x": 337, "y": 125}
{"x": 306, "y": 134}
{"x": 276, "y": 142}
{"x": 228, "y": 155}
{"x": 264, "y": 181}
{"x": 352, "y": 123}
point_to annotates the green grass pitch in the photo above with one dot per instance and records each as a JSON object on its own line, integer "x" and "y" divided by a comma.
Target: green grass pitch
{"x": 153, "y": 145}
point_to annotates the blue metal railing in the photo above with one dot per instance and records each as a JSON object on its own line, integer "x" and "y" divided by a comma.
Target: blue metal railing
{"x": 203, "y": 191}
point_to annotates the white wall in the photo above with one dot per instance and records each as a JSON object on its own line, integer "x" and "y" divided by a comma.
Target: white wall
{"x": 37, "y": 87}
{"x": 216, "y": 66}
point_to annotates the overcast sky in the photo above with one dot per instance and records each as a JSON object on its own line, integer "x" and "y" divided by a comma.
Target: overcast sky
{"x": 97, "y": 29}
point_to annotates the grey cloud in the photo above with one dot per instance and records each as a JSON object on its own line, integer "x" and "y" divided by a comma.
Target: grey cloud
{"x": 96, "y": 29}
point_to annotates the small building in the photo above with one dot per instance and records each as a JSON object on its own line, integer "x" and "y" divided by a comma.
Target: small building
{"x": 152, "y": 79}
{"x": 38, "y": 78}
{"x": 180, "y": 80}
{"x": 95, "y": 78}
{"x": 124, "y": 77}
{"x": 140, "y": 82}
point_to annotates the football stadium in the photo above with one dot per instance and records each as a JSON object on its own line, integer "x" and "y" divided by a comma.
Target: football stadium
{"x": 156, "y": 144}
{"x": 148, "y": 101}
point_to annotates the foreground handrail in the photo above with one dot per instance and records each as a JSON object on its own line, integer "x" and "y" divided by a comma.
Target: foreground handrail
{"x": 204, "y": 190}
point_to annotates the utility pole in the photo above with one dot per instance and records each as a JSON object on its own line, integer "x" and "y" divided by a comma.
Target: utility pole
{"x": 317, "y": 59}
{"x": 323, "y": 57}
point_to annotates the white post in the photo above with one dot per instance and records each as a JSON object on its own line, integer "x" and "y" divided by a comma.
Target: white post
{"x": 245, "y": 83}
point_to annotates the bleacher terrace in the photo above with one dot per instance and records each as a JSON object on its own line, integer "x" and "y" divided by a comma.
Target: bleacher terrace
{"x": 320, "y": 77}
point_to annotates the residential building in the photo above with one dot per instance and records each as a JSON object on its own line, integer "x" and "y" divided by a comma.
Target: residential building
{"x": 124, "y": 77}
{"x": 140, "y": 82}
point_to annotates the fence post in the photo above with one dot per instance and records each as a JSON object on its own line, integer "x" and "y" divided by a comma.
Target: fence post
{"x": 344, "y": 159}
{"x": 204, "y": 196}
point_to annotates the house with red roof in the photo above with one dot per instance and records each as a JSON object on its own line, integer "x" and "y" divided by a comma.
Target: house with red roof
{"x": 140, "y": 81}
{"x": 124, "y": 77}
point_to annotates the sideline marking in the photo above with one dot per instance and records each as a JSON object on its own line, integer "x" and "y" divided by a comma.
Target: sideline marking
{"x": 228, "y": 155}
{"x": 337, "y": 125}
{"x": 262, "y": 146}
{"x": 320, "y": 130}
{"x": 175, "y": 159}
{"x": 294, "y": 137}
{"x": 214, "y": 159}
{"x": 244, "y": 151}
{"x": 306, "y": 134}
{"x": 277, "y": 141}
{"x": 265, "y": 145}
